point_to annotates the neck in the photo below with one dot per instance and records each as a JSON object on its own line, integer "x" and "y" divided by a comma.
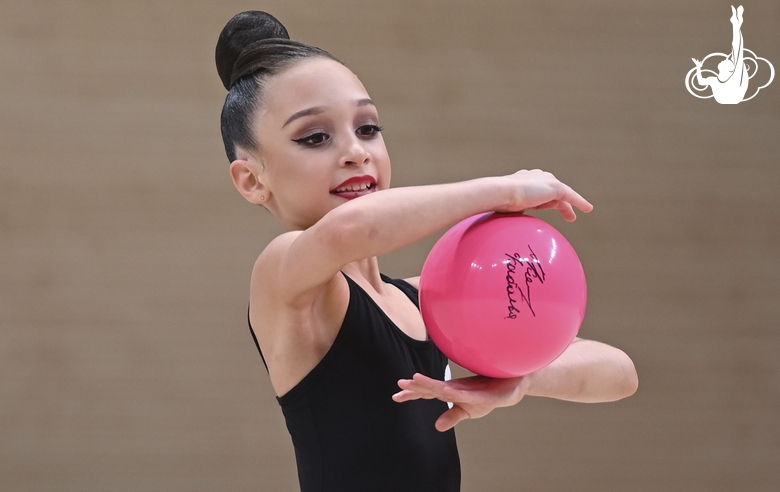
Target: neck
{"x": 366, "y": 269}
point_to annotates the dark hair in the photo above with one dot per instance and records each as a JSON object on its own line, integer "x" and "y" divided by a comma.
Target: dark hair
{"x": 252, "y": 46}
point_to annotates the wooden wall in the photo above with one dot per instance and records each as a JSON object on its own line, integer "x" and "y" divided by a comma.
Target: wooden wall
{"x": 125, "y": 361}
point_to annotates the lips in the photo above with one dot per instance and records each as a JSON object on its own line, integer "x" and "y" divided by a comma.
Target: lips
{"x": 355, "y": 187}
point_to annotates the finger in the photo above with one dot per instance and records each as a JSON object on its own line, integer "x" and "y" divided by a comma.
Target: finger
{"x": 421, "y": 387}
{"x": 406, "y": 395}
{"x": 577, "y": 200}
{"x": 454, "y": 390}
{"x": 420, "y": 381}
{"x": 567, "y": 211}
{"x": 564, "y": 207}
{"x": 427, "y": 388}
{"x": 409, "y": 395}
{"x": 424, "y": 383}
{"x": 451, "y": 418}
{"x": 551, "y": 205}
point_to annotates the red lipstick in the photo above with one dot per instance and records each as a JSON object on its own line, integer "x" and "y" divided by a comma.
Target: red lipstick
{"x": 355, "y": 187}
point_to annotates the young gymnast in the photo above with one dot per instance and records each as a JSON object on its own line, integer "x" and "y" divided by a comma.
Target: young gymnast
{"x": 359, "y": 382}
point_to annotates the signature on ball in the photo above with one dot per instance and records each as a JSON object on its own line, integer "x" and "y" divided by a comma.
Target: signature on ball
{"x": 531, "y": 269}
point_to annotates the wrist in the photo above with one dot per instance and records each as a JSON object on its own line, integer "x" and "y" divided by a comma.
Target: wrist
{"x": 500, "y": 193}
{"x": 522, "y": 388}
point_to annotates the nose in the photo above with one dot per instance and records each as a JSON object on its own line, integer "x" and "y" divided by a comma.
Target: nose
{"x": 355, "y": 153}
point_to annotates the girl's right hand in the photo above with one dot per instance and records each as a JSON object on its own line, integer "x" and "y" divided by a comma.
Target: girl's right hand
{"x": 540, "y": 190}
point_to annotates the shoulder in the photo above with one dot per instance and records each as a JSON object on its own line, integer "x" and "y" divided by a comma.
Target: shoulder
{"x": 277, "y": 248}
{"x": 277, "y": 286}
{"x": 294, "y": 331}
{"x": 279, "y": 271}
{"x": 267, "y": 268}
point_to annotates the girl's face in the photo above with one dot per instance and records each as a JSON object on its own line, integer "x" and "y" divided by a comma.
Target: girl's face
{"x": 319, "y": 142}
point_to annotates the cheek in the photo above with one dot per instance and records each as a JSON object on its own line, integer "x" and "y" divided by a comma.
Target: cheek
{"x": 378, "y": 150}
{"x": 282, "y": 178}
{"x": 285, "y": 165}
{"x": 382, "y": 160}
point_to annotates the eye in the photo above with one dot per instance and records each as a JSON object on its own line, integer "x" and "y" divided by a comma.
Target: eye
{"x": 368, "y": 130}
{"x": 313, "y": 140}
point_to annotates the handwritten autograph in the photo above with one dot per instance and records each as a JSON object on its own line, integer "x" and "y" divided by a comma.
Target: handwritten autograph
{"x": 533, "y": 270}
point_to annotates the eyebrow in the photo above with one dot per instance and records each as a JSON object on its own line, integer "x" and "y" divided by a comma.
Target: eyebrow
{"x": 319, "y": 109}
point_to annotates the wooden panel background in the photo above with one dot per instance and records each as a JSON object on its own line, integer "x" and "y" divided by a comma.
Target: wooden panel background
{"x": 125, "y": 362}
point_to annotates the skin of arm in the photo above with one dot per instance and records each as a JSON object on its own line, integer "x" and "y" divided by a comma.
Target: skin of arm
{"x": 587, "y": 371}
{"x": 298, "y": 298}
{"x": 391, "y": 219}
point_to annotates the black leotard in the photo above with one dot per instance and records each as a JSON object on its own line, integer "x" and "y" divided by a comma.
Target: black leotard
{"x": 348, "y": 433}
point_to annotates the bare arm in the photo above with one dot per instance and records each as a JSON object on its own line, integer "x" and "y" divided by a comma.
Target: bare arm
{"x": 413, "y": 281}
{"x": 391, "y": 219}
{"x": 587, "y": 371}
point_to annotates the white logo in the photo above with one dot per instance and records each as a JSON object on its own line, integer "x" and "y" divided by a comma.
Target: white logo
{"x": 735, "y": 70}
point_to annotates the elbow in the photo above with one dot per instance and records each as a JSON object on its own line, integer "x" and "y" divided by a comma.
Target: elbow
{"x": 617, "y": 381}
{"x": 628, "y": 382}
{"x": 629, "y": 386}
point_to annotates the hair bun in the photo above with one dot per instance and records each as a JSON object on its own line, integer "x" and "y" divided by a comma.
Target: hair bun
{"x": 241, "y": 31}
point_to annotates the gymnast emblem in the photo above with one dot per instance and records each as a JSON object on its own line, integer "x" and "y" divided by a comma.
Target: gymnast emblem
{"x": 730, "y": 84}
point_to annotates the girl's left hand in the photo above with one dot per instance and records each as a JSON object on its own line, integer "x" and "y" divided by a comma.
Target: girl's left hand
{"x": 472, "y": 397}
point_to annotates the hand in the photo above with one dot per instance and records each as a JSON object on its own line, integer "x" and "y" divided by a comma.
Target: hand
{"x": 697, "y": 62}
{"x": 539, "y": 190}
{"x": 472, "y": 397}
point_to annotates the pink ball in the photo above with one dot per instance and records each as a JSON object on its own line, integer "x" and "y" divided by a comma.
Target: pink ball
{"x": 502, "y": 295}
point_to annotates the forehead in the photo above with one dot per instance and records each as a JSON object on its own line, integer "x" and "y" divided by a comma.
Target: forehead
{"x": 311, "y": 82}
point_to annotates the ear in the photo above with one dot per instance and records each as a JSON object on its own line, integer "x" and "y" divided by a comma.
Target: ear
{"x": 246, "y": 174}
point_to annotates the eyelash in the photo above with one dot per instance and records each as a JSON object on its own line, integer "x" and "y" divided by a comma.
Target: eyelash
{"x": 308, "y": 140}
{"x": 374, "y": 130}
